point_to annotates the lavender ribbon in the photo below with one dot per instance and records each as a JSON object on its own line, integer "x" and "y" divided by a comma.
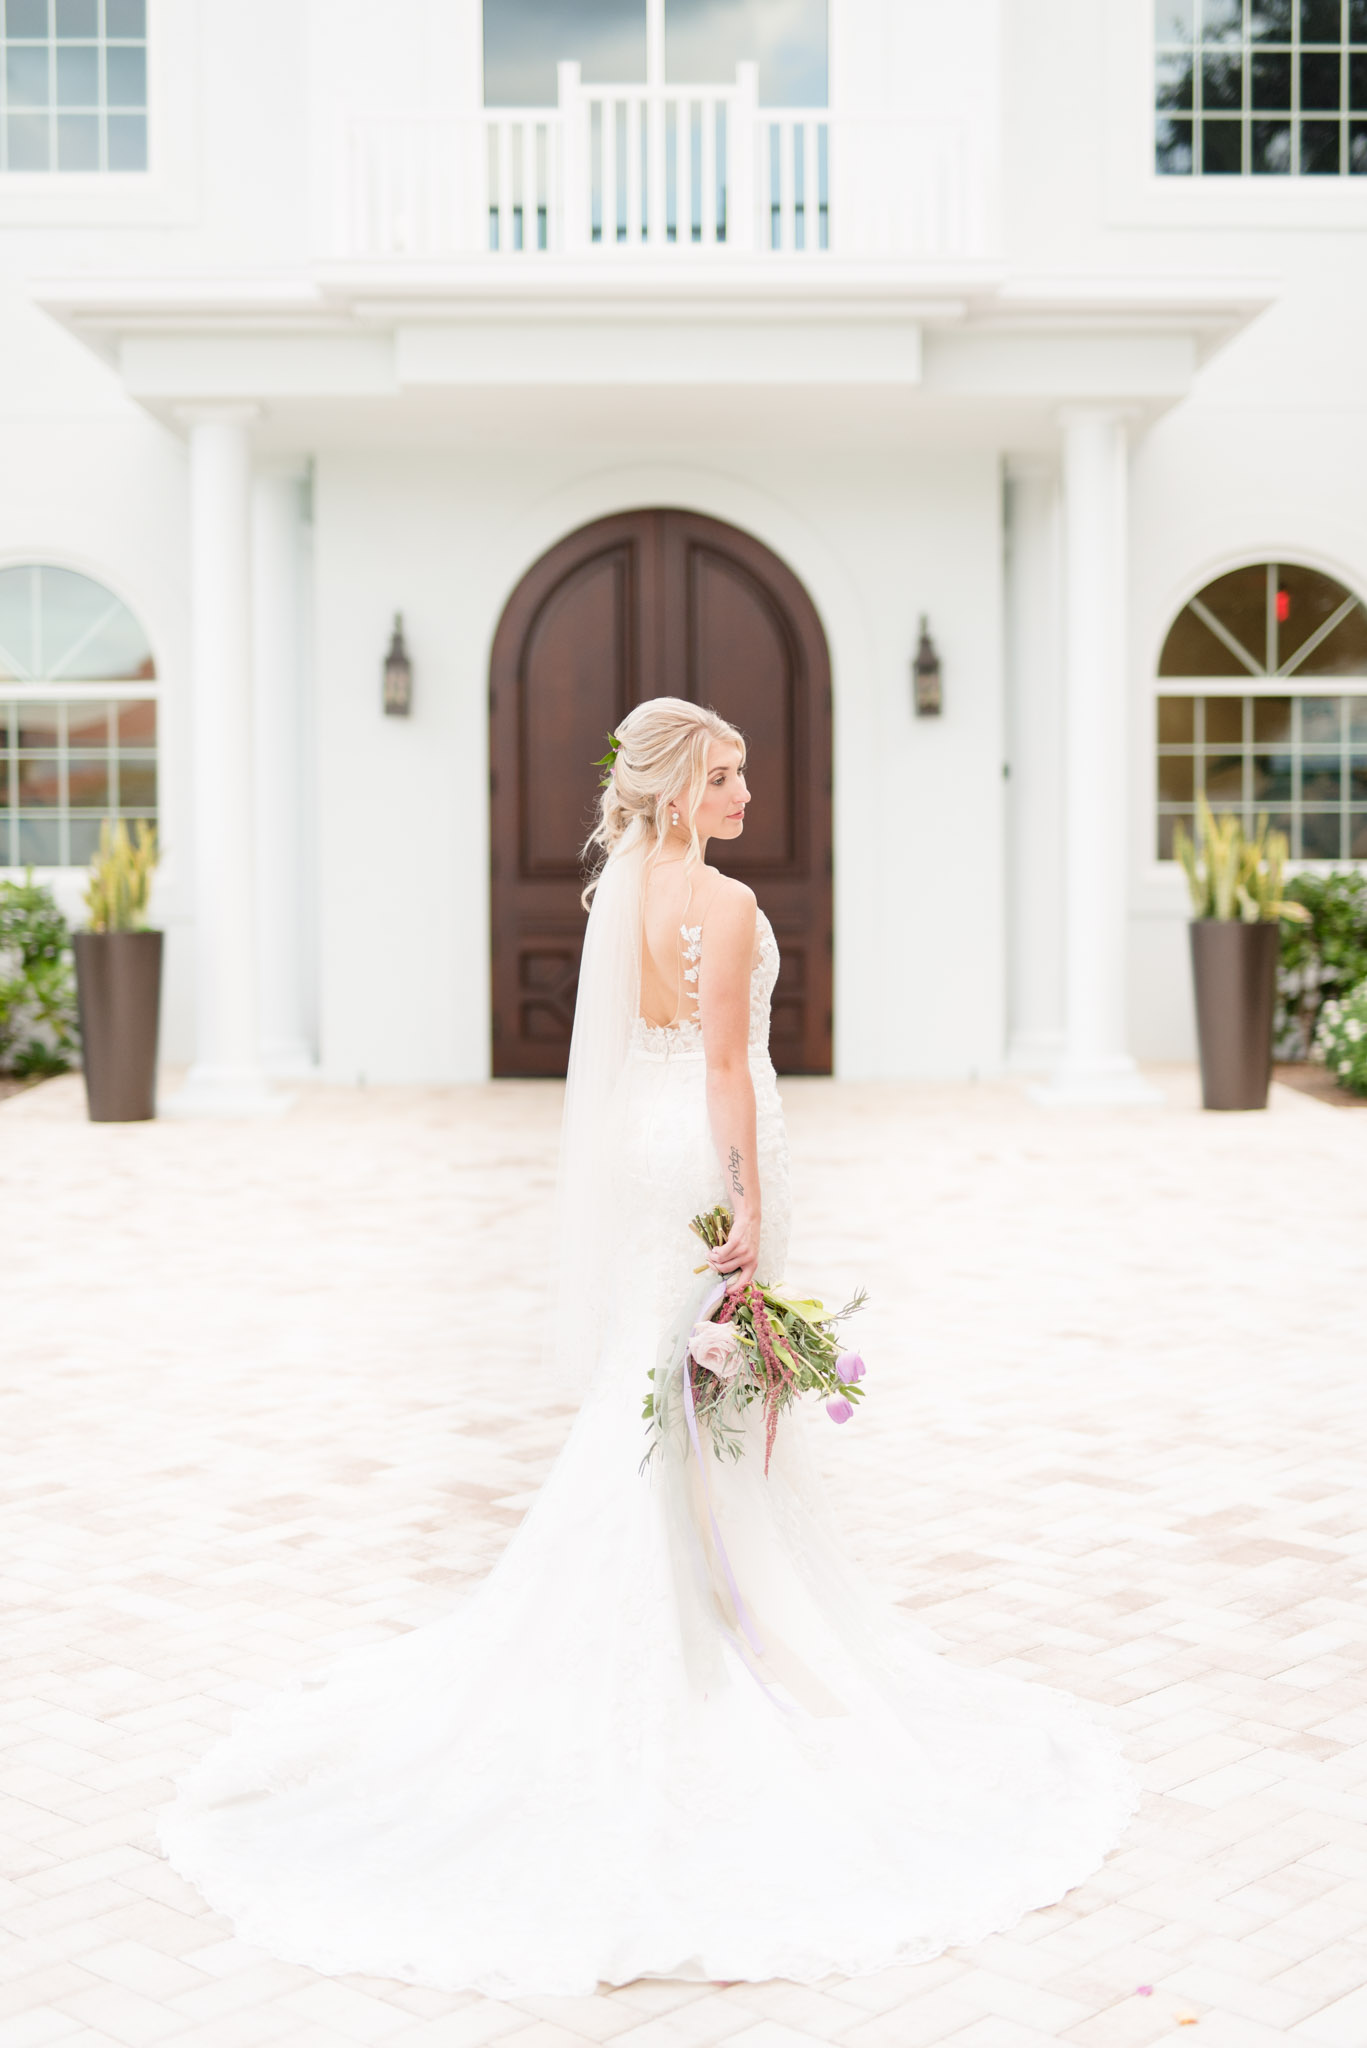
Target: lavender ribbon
{"x": 742, "y": 1613}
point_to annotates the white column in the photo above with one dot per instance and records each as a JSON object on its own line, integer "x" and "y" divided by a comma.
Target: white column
{"x": 284, "y": 806}
{"x": 1095, "y": 1066}
{"x": 1034, "y": 723}
{"x": 226, "y": 1078}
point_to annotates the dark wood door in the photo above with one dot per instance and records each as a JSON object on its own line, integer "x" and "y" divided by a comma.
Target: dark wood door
{"x": 649, "y": 604}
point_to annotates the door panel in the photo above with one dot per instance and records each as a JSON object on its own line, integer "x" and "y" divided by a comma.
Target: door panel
{"x": 648, "y": 604}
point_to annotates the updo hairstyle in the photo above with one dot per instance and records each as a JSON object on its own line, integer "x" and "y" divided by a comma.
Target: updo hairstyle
{"x": 661, "y": 763}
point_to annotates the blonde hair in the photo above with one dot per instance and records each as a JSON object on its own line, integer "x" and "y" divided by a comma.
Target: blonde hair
{"x": 661, "y": 761}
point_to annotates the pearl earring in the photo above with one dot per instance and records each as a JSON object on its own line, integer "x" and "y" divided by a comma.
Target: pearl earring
{"x": 673, "y": 817}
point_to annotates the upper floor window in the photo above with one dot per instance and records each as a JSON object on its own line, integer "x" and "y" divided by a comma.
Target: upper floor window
{"x": 704, "y": 40}
{"x": 1267, "y": 88}
{"x": 73, "y": 85}
{"x": 1291, "y": 744}
{"x": 78, "y": 717}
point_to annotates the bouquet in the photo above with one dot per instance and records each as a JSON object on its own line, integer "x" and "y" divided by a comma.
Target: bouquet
{"x": 759, "y": 1345}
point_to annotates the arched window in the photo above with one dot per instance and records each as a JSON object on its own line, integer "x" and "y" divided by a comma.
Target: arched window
{"x": 1295, "y": 746}
{"x": 78, "y": 717}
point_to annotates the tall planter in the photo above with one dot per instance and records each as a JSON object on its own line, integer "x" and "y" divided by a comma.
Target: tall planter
{"x": 118, "y": 989}
{"x": 1234, "y": 966}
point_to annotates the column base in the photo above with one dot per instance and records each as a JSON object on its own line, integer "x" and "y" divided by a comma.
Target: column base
{"x": 1034, "y": 1052}
{"x": 1080, "y": 1082}
{"x": 225, "y": 1092}
{"x": 286, "y": 1059}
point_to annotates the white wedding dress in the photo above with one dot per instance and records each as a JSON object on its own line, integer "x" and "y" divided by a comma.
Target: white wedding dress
{"x": 589, "y": 1772}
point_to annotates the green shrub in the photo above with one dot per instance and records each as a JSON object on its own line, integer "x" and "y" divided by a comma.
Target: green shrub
{"x": 1341, "y": 1038}
{"x": 37, "y": 990}
{"x": 1326, "y": 956}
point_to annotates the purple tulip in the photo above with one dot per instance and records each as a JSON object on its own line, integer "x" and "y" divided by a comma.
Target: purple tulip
{"x": 849, "y": 1367}
{"x": 839, "y": 1411}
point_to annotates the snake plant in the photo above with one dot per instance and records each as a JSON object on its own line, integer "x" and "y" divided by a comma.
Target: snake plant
{"x": 121, "y": 877}
{"x": 1231, "y": 877}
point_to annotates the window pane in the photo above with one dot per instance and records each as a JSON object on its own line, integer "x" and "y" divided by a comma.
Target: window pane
{"x": 1271, "y": 778}
{"x": 40, "y": 843}
{"x": 1343, "y": 652}
{"x": 1224, "y": 778}
{"x": 1357, "y": 720}
{"x": 1321, "y": 721}
{"x": 39, "y": 781}
{"x": 1272, "y": 147}
{"x": 1173, "y": 80}
{"x": 1176, "y": 778}
{"x": 1224, "y": 721}
{"x": 1306, "y": 599}
{"x": 1321, "y": 835}
{"x": 87, "y": 633}
{"x": 26, "y": 77}
{"x": 1270, "y": 21}
{"x": 1222, "y": 21}
{"x": 1320, "y": 21}
{"x": 29, "y": 142}
{"x": 1320, "y": 149}
{"x": 1172, "y": 21}
{"x": 1357, "y": 779}
{"x": 1221, "y": 148}
{"x": 17, "y": 613}
{"x": 1222, "y": 82}
{"x": 1191, "y": 649}
{"x": 88, "y": 785}
{"x": 1357, "y": 149}
{"x": 1272, "y": 718}
{"x": 38, "y": 725}
{"x": 1321, "y": 779}
{"x": 87, "y": 726}
{"x": 137, "y": 784}
{"x": 125, "y": 18}
{"x": 1272, "y": 82}
{"x": 83, "y": 841}
{"x": 78, "y": 18}
{"x": 4, "y": 781}
{"x": 1357, "y": 20}
{"x": 137, "y": 724}
{"x": 1176, "y": 720}
{"x": 1172, "y": 153}
{"x": 78, "y": 142}
{"x": 706, "y": 39}
{"x": 1357, "y": 83}
{"x": 1320, "y": 82}
{"x": 1357, "y": 835}
{"x": 1167, "y": 826}
{"x": 524, "y": 39}
{"x": 78, "y": 78}
{"x": 128, "y": 142}
{"x": 126, "y": 76}
{"x": 26, "y": 18}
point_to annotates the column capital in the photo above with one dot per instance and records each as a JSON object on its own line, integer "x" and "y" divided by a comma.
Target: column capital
{"x": 237, "y": 412}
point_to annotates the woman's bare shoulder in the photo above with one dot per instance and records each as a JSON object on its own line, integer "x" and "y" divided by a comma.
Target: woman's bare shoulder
{"x": 731, "y": 907}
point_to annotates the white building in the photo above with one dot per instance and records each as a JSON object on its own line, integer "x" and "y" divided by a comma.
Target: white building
{"x": 916, "y": 310}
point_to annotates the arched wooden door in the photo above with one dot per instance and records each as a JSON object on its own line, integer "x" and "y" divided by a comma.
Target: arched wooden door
{"x": 650, "y": 604}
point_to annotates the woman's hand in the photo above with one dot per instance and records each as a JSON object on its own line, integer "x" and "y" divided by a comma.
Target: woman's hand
{"x": 736, "y": 1260}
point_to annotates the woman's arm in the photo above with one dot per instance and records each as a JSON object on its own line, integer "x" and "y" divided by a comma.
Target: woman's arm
{"x": 724, "y": 1003}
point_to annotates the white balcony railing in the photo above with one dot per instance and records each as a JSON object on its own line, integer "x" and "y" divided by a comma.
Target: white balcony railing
{"x": 622, "y": 171}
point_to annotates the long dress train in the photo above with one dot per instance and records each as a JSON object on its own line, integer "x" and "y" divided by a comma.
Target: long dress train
{"x": 588, "y": 1772}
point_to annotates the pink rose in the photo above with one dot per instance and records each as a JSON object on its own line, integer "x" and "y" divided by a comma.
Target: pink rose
{"x": 716, "y": 1348}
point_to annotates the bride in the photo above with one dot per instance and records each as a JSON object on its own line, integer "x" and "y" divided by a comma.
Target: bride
{"x": 665, "y": 1736}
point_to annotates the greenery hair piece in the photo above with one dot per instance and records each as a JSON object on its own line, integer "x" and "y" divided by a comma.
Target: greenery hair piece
{"x": 121, "y": 877}
{"x": 609, "y": 760}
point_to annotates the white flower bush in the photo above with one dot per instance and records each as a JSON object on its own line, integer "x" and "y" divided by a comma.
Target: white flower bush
{"x": 1341, "y": 1038}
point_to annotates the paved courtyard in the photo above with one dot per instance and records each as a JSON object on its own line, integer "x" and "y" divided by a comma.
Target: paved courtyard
{"x": 270, "y": 1390}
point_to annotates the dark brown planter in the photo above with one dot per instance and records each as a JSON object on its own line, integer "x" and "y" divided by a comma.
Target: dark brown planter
{"x": 1235, "y": 970}
{"x": 118, "y": 990}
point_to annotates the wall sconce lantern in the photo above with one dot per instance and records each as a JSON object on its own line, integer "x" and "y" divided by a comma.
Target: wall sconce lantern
{"x": 398, "y": 675}
{"x": 925, "y": 671}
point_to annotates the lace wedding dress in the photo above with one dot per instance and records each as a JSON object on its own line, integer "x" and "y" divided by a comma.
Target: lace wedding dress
{"x": 596, "y": 1769}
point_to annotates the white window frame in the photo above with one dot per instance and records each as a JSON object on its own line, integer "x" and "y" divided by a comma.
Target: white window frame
{"x": 167, "y": 192}
{"x": 1137, "y": 196}
{"x": 98, "y": 692}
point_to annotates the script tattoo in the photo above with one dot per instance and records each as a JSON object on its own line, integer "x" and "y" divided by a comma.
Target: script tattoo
{"x": 737, "y": 1186}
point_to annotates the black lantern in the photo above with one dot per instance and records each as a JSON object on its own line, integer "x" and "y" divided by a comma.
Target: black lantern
{"x": 398, "y": 675}
{"x": 925, "y": 671}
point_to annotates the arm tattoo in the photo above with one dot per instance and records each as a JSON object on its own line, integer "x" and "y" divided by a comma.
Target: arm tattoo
{"x": 734, "y": 1162}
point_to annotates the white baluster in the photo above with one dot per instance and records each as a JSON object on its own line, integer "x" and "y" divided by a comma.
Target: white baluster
{"x": 746, "y": 177}
{"x": 683, "y": 172}
{"x": 657, "y": 204}
{"x": 811, "y": 185}
{"x": 575, "y": 173}
{"x": 787, "y": 151}
{"x": 609, "y": 134}
{"x": 633, "y": 170}
{"x": 531, "y": 186}
{"x": 708, "y": 196}
{"x": 505, "y": 188}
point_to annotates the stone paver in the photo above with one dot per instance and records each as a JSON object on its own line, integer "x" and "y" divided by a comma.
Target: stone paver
{"x": 273, "y": 1389}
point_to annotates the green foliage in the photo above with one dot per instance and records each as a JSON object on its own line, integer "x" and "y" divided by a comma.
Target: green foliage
{"x": 1232, "y": 877}
{"x": 121, "y": 878}
{"x": 37, "y": 989}
{"x": 1323, "y": 955}
{"x": 1341, "y": 1038}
